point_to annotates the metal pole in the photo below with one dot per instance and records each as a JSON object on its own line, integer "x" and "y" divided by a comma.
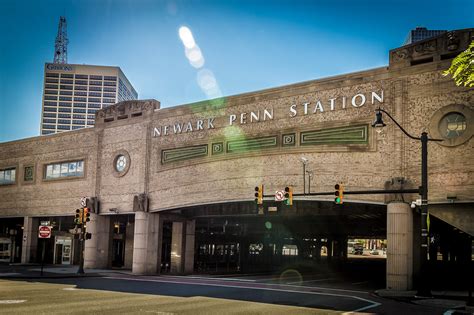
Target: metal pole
{"x": 80, "y": 271}
{"x": 42, "y": 256}
{"x": 424, "y": 285}
{"x": 309, "y": 183}
{"x": 304, "y": 178}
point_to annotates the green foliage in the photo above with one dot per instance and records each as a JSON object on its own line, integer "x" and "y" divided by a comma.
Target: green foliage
{"x": 462, "y": 67}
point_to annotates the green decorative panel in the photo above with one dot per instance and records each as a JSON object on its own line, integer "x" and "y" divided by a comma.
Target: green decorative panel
{"x": 186, "y": 153}
{"x": 335, "y": 136}
{"x": 217, "y": 148}
{"x": 245, "y": 145}
{"x": 288, "y": 139}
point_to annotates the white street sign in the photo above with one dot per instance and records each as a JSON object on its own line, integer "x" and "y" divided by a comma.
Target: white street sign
{"x": 83, "y": 201}
{"x": 279, "y": 195}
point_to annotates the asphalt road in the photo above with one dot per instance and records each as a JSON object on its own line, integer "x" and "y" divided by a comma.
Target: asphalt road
{"x": 254, "y": 294}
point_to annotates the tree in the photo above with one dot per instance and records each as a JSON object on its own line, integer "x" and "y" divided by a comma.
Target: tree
{"x": 462, "y": 67}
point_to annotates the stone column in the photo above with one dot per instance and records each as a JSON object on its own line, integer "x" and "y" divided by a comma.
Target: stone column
{"x": 129, "y": 231}
{"x": 189, "y": 247}
{"x": 177, "y": 245}
{"x": 399, "y": 246}
{"x": 97, "y": 253}
{"x": 148, "y": 233}
{"x": 30, "y": 240}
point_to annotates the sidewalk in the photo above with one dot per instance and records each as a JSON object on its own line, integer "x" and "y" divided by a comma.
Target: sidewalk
{"x": 454, "y": 300}
{"x": 33, "y": 271}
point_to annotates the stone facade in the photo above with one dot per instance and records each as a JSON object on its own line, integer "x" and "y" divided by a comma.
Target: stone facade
{"x": 217, "y": 151}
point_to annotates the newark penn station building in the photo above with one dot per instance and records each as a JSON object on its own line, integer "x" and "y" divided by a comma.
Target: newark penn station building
{"x": 171, "y": 190}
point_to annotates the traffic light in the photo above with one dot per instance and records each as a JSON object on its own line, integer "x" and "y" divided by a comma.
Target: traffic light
{"x": 87, "y": 215}
{"x": 88, "y": 236}
{"x": 339, "y": 193}
{"x": 78, "y": 218}
{"x": 259, "y": 195}
{"x": 289, "y": 195}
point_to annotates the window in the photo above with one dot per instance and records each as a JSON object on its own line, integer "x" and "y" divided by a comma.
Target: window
{"x": 79, "y": 99}
{"x": 452, "y": 125}
{"x": 82, "y": 105}
{"x": 7, "y": 176}
{"x": 95, "y": 94}
{"x": 78, "y": 122}
{"x": 66, "y": 81}
{"x": 64, "y": 170}
{"x": 66, "y": 75}
{"x": 49, "y": 115}
{"x": 50, "y": 97}
{"x": 108, "y": 100}
{"x": 83, "y": 88}
{"x": 60, "y": 127}
{"x": 49, "y": 127}
{"x": 96, "y": 77}
{"x": 50, "y": 103}
{"x": 79, "y": 110}
{"x": 95, "y": 88}
{"x": 65, "y": 87}
{"x": 81, "y": 82}
{"x": 65, "y": 93}
{"x": 52, "y": 75}
{"x": 64, "y": 115}
{"x": 49, "y": 121}
{"x": 64, "y": 110}
{"x": 52, "y": 80}
{"x": 65, "y": 98}
{"x": 108, "y": 89}
{"x": 78, "y": 116}
{"x": 91, "y": 105}
{"x": 64, "y": 121}
{"x": 51, "y": 92}
{"x": 289, "y": 250}
{"x": 64, "y": 104}
{"x": 80, "y": 93}
{"x": 96, "y": 82}
{"x": 51, "y": 86}
{"x": 81, "y": 76}
{"x": 106, "y": 83}
{"x": 47, "y": 109}
{"x": 94, "y": 99}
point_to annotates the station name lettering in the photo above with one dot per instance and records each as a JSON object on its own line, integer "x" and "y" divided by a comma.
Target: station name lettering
{"x": 267, "y": 114}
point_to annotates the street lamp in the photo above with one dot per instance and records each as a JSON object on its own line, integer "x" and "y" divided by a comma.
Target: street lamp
{"x": 305, "y": 161}
{"x": 378, "y": 124}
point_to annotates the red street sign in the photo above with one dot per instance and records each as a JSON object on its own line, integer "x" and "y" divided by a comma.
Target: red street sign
{"x": 44, "y": 231}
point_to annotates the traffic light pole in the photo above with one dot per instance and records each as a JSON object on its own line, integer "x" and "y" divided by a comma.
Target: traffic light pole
{"x": 82, "y": 241}
{"x": 360, "y": 192}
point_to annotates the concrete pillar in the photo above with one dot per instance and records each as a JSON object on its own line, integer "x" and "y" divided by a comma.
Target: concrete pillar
{"x": 30, "y": 240}
{"x": 148, "y": 234}
{"x": 97, "y": 253}
{"x": 177, "y": 244}
{"x": 399, "y": 246}
{"x": 189, "y": 247}
{"x": 129, "y": 231}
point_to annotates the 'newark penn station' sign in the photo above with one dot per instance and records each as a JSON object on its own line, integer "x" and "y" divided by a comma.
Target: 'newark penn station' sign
{"x": 294, "y": 110}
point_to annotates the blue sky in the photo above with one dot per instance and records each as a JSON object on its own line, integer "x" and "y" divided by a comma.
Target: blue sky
{"x": 246, "y": 45}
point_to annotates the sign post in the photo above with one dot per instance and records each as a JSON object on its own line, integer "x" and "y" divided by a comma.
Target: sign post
{"x": 44, "y": 232}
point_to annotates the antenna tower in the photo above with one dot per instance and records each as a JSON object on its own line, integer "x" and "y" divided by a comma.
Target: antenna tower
{"x": 60, "y": 45}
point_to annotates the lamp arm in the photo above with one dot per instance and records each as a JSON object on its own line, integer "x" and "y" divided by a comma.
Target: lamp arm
{"x": 404, "y": 131}
{"x": 401, "y": 128}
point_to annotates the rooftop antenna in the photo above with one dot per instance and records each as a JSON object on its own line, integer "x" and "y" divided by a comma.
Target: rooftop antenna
{"x": 60, "y": 45}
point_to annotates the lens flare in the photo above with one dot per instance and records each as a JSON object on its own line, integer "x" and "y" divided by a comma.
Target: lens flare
{"x": 186, "y": 37}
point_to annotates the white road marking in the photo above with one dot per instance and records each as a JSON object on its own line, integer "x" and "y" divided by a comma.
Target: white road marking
{"x": 372, "y": 304}
{"x": 308, "y": 281}
{"x": 11, "y": 301}
{"x": 207, "y": 278}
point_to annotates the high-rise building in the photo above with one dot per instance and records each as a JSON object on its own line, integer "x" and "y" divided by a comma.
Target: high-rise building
{"x": 73, "y": 93}
{"x": 421, "y": 33}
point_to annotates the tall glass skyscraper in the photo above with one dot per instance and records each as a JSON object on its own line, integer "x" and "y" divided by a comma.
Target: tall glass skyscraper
{"x": 73, "y": 93}
{"x": 421, "y": 33}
